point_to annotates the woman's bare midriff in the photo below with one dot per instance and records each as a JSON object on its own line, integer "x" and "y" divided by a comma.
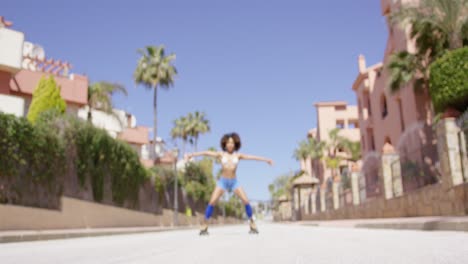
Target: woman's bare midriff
{"x": 228, "y": 173}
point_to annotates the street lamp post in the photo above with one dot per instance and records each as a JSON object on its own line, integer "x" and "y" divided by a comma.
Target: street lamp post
{"x": 176, "y": 204}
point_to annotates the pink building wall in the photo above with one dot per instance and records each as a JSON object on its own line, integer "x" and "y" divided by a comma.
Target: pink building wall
{"x": 73, "y": 89}
{"x": 400, "y": 119}
{"x": 329, "y": 114}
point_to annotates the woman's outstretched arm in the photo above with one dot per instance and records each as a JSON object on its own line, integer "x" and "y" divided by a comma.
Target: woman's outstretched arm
{"x": 251, "y": 157}
{"x": 213, "y": 154}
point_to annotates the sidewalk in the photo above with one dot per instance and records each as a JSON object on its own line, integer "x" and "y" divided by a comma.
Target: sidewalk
{"x": 432, "y": 223}
{"x": 34, "y": 235}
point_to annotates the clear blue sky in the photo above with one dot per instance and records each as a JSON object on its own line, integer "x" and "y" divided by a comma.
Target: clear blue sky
{"x": 254, "y": 67}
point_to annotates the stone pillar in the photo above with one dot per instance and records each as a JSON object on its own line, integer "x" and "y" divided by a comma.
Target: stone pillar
{"x": 448, "y": 147}
{"x": 313, "y": 200}
{"x": 336, "y": 194}
{"x": 355, "y": 187}
{"x": 391, "y": 175}
{"x": 362, "y": 187}
{"x": 323, "y": 197}
{"x": 390, "y": 172}
{"x": 464, "y": 154}
{"x": 396, "y": 176}
{"x": 306, "y": 199}
{"x": 297, "y": 203}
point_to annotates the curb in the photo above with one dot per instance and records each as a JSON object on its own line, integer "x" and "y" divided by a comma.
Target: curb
{"x": 29, "y": 236}
{"x": 425, "y": 226}
{"x": 433, "y": 224}
{"x": 39, "y": 235}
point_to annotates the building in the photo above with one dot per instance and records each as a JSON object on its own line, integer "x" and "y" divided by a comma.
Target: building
{"x": 402, "y": 120}
{"x": 332, "y": 115}
{"x": 22, "y": 64}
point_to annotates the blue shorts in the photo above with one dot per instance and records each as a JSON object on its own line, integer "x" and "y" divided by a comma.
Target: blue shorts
{"x": 227, "y": 184}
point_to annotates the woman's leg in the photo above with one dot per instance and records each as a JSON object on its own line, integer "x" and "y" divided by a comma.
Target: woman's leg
{"x": 218, "y": 191}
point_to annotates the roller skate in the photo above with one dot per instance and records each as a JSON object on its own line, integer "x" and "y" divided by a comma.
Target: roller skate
{"x": 204, "y": 229}
{"x": 253, "y": 227}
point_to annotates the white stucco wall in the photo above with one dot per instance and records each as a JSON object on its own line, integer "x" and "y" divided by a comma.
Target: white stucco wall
{"x": 12, "y": 105}
{"x": 108, "y": 122}
{"x": 11, "y": 49}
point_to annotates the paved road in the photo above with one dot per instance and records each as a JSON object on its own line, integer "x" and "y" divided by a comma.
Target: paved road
{"x": 277, "y": 243}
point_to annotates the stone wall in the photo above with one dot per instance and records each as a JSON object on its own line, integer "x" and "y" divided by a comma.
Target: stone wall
{"x": 432, "y": 200}
{"x": 75, "y": 213}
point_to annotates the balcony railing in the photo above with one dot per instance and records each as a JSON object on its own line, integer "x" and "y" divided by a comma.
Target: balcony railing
{"x": 51, "y": 66}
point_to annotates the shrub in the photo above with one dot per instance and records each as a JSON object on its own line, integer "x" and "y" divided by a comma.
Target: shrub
{"x": 448, "y": 81}
{"x": 45, "y": 97}
{"x": 32, "y": 163}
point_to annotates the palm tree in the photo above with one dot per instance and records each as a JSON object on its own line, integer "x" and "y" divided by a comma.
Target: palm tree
{"x": 100, "y": 97}
{"x": 181, "y": 130}
{"x": 301, "y": 152}
{"x": 335, "y": 142}
{"x": 155, "y": 70}
{"x": 315, "y": 148}
{"x": 310, "y": 148}
{"x": 436, "y": 26}
{"x": 353, "y": 149}
{"x": 199, "y": 125}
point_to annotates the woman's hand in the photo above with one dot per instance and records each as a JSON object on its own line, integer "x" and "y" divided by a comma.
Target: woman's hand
{"x": 270, "y": 162}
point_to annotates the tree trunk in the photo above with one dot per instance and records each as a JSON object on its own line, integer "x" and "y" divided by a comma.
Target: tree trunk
{"x": 155, "y": 114}
{"x": 455, "y": 41}
{"x": 90, "y": 115}
{"x": 196, "y": 143}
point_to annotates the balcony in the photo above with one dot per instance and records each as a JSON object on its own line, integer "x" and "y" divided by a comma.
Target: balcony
{"x": 73, "y": 89}
{"x": 11, "y": 51}
{"x": 138, "y": 135}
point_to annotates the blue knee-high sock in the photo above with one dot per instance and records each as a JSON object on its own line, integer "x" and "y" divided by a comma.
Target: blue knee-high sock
{"x": 209, "y": 211}
{"x": 248, "y": 210}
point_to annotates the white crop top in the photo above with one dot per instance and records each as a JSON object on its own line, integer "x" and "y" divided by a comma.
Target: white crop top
{"x": 234, "y": 159}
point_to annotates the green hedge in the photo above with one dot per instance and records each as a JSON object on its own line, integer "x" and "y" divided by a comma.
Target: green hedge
{"x": 449, "y": 81}
{"x": 40, "y": 153}
{"x": 32, "y": 160}
{"x": 198, "y": 180}
{"x": 100, "y": 156}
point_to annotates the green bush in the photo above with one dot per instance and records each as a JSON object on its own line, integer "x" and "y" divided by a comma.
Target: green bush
{"x": 31, "y": 161}
{"x": 37, "y": 154}
{"x": 233, "y": 207}
{"x": 448, "y": 81}
{"x": 99, "y": 155}
{"x": 45, "y": 97}
{"x": 198, "y": 180}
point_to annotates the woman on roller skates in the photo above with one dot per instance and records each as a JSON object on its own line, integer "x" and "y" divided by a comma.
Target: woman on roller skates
{"x": 229, "y": 157}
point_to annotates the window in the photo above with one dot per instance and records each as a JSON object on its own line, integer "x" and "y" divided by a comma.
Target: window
{"x": 340, "y": 124}
{"x": 359, "y": 107}
{"x": 402, "y": 121}
{"x": 353, "y": 124}
{"x": 340, "y": 108}
{"x": 383, "y": 106}
{"x": 367, "y": 101}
